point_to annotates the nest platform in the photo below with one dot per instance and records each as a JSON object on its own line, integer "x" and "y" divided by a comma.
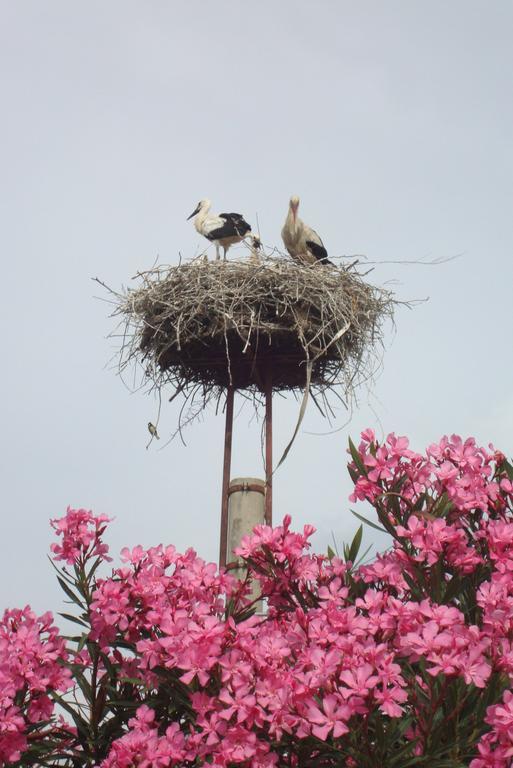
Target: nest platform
{"x": 201, "y": 327}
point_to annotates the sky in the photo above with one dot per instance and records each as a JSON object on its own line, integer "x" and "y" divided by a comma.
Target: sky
{"x": 392, "y": 121}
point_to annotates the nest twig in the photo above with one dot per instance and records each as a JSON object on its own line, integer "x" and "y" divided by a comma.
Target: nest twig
{"x": 197, "y": 328}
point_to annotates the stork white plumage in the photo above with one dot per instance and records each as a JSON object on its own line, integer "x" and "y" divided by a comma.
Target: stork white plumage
{"x": 223, "y": 229}
{"x": 301, "y": 241}
{"x": 255, "y": 247}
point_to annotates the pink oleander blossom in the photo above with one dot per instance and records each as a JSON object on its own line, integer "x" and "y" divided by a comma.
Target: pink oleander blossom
{"x": 31, "y": 666}
{"x": 81, "y": 533}
{"x": 342, "y": 659}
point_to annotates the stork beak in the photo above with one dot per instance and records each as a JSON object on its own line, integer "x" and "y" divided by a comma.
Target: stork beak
{"x": 195, "y": 211}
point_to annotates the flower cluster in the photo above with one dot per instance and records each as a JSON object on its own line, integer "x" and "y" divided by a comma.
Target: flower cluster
{"x": 31, "y": 667}
{"x": 407, "y": 660}
{"x": 461, "y": 470}
{"x": 142, "y": 745}
{"x": 81, "y": 533}
{"x": 338, "y": 644}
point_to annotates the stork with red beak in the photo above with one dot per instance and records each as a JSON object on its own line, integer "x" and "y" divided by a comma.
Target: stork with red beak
{"x": 301, "y": 241}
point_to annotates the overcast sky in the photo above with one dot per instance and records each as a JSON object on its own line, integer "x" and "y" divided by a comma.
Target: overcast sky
{"x": 392, "y": 120}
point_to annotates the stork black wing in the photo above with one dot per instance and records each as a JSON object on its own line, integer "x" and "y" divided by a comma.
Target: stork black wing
{"x": 237, "y": 222}
{"x": 234, "y": 226}
{"x": 319, "y": 251}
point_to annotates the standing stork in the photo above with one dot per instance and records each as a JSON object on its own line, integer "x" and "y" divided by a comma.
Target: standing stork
{"x": 256, "y": 249}
{"x": 301, "y": 241}
{"x": 223, "y": 229}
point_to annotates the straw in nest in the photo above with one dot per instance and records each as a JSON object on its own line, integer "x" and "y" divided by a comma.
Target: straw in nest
{"x": 198, "y": 328}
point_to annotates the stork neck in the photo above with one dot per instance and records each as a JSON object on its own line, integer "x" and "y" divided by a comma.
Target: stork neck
{"x": 201, "y": 216}
{"x": 292, "y": 222}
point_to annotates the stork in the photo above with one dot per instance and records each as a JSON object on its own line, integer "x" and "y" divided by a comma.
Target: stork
{"x": 223, "y": 229}
{"x": 255, "y": 248}
{"x": 301, "y": 241}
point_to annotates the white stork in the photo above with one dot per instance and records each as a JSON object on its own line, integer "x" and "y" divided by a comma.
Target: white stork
{"x": 255, "y": 248}
{"x": 301, "y": 241}
{"x": 223, "y": 229}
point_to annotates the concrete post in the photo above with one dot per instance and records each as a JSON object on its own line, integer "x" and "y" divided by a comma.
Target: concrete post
{"x": 246, "y": 508}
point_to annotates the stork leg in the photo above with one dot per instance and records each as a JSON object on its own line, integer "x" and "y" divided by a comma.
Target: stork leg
{"x": 225, "y": 248}
{"x": 218, "y": 252}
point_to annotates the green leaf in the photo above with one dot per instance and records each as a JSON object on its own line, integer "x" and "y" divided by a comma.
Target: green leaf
{"x": 414, "y": 586}
{"x": 357, "y": 458}
{"x": 368, "y": 522}
{"x": 442, "y": 506}
{"x": 507, "y": 467}
{"x": 452, "y": 588}
{"x": 111, "y": 669}
{"x": 353, "y": 474}
{"x": 131, "y": 681}
{"x": 383, "y": 517}
{"x": 379, "y": 733}
{"x": 331, "y": 553}
{"x": 69, "y": 592}
{"x": 355, "y": 544}
{"x": 362, "y": 558}
{"x": 81, "y": 724}
{"x": 94, "y": 568}
{"x": 81, "y": 643}
{"x": 62, "y": 572}
{"x": 436, "y": 581}
{"x": 84, "y": 684}
{"x": 122, "y": 644}
{"x": 128, "y": 703}
{"x": 75, "y": 619}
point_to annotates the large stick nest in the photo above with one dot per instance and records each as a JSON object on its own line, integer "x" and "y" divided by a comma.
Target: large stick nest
{"x": 199, "y": 327}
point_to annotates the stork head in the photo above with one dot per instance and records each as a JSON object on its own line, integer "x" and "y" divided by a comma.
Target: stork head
{"x": 203, "y": 205}
{"x": 294, "y": 205}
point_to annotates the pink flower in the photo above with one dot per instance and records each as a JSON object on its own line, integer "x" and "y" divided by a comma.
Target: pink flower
{"x": 358, "y": 681}
{"x": 390, "y": 700}
{"x": 81, "y": 535}
{"x": 429, "y": 618}
{"x": 331, "y": 717}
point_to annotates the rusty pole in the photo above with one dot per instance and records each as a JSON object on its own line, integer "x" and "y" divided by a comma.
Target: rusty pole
{"x": 269, "y": 447}
{"x": 226, "y": 475}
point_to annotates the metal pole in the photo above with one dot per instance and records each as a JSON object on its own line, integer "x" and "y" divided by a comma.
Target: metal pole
{"x": 226, "y": 476}
{"x": 269, "y": 447}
